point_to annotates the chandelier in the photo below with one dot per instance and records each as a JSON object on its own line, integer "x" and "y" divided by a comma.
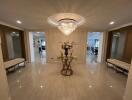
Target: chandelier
{"x": 66, "y": 22}
{"x": 67, "y": 26}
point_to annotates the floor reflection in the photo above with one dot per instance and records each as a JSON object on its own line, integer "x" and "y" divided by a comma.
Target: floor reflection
{"x": 39, "y": 81}
{"x": 91, "y": 58}
{"x": 40, "y": 57}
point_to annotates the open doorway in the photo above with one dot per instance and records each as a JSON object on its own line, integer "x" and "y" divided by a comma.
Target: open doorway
{"x": 93, "y": 47}
{"x": 37, "y": 47}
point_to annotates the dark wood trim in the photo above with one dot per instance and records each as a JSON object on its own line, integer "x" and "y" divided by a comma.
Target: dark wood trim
{"x": 23, "y": 45}
{"x": 4, "y": 30}
{"x": 124, "y": 30}
{"x": 3, "y": 27}
{"x": 109, "y": 44}
{"x": 4, "y": 46}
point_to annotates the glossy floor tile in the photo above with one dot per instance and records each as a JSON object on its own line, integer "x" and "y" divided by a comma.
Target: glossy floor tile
{"x": 91, "y": 58}
{"x": 44, "y": 82}
{"x": 39, "y": 57}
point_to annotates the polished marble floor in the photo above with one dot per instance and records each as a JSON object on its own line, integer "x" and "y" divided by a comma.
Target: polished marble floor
{"x": 44, "y": 82}
{"x": 91, "y": 58}
{"x": 39, "y": 57}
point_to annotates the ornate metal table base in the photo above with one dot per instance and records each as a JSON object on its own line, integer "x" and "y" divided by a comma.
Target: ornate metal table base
{"x": 67, "y": 72}
{"x": 66, "y": 59}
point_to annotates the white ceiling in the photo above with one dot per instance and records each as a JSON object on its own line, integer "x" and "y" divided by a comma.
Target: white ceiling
{"x": 98, "y": 13}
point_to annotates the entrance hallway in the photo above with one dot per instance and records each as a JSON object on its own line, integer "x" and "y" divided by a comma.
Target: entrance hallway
{"x": 39, "y": 57}
{"x": 94, "y": 47}
{"x": 44, "y": 82}
{"x": 37, "y": 47}
{"x": 66, "y": 50}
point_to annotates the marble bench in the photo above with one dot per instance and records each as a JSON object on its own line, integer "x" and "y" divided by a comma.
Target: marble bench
{"x": 119, "y": 65}
{"x": 13, "y": 63}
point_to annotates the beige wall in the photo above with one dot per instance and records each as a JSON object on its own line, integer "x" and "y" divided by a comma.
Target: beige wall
{"x": 4, "y": 91}
{"x": 128, "y": 92}
{"x": 104, "y": 46}
{"x": 27, "y": 46}
{"x": 54, "y": 38}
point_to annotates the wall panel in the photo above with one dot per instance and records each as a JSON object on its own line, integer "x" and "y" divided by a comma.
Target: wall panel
{"x": 54, "y": 39}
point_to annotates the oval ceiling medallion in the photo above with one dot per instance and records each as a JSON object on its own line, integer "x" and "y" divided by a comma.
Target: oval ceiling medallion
{"x": 66, "y": 22}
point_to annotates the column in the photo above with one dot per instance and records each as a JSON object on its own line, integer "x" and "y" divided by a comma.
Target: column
{"x": 4, "y": 90}
{"x": 128, "y": 92}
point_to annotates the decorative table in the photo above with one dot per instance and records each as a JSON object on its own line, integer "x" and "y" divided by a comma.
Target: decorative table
{"x": 66, "y": 58}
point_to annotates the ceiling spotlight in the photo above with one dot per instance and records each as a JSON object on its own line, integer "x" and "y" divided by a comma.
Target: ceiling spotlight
{"x": 112, "y": 22}
{"x": 90, "y": 86}
{"x": 41, "y": 86}
{"x": 19, "y": 22}
{"x": 110, "y": 86}
{"x": 38, "y": 32}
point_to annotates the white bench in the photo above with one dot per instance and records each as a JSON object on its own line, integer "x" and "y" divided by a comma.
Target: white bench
{"x": 119, "y": 65}
{"x": 12, "y": 63}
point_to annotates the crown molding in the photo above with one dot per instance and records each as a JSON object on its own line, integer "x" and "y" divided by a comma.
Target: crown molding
{"x": 12, "y": 26}
{"x": 124, "y": 25}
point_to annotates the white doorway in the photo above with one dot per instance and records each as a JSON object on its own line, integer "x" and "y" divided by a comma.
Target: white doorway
{"x": 94, "y": 47}
{"x": 37, "y": 47}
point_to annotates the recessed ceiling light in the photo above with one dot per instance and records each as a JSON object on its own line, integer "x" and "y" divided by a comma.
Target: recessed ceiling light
{"x": 18, "y": 21}
{"x": 112, "y": 22}
{"x": 18, "y": 81}
{"x": 90, "y": 86}
{"x": 110, "y": 86}
{"x": 41, "y": 86}
{"x": 38, "y": 32}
